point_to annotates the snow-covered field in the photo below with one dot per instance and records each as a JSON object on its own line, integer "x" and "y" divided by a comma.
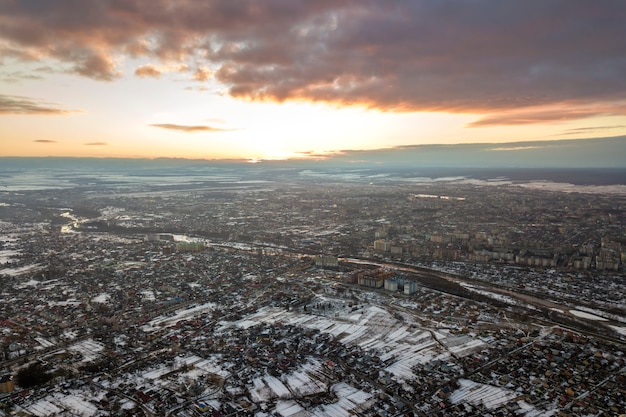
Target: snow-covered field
{"x": 498, "y": 297}
{"x": 161, "y": 322}
{"x": 587, "y": 316}
{"x": 475, "y": 393}
{"x": 19, "y": 270}
{"x": 101, "y": 298}
{"x": 76, "y": 403}
{"x": 399, "y": 344}
{"x": 89, "y": 349}
{"x": 307, "y": 379}
{"x": 350, "y": 401}
{"x": 570, "y": 188}
{"x": 7, "y": 255}
{"x": 620, "y": 330}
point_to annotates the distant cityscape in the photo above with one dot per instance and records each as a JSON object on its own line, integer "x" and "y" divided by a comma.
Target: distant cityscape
{"x": 312, "y": 208}
{"x": 172, "y": 288}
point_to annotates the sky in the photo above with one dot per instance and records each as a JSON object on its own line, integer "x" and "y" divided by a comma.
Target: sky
{"x": 275, "y": 79}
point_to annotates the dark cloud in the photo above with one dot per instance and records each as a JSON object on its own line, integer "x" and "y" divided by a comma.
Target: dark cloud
{"x": 583, "y": 130}
{"x": 44, "y": 141}
{"x": 190, "y": 129}
{"x": 579, "y": 153}
{"x": 484, "y": 56}
{"x": 26, "y": 105}
{"x": 95, "y": 65}
{"x": 96, "y": 144}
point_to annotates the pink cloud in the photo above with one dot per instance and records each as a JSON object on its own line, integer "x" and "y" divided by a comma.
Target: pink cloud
{"x": 488, "y": 56}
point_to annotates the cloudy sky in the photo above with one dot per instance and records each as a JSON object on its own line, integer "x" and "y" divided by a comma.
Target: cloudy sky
{"x": 295, "y": 78}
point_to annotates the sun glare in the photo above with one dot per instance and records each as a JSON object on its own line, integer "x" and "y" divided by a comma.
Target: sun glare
{"x": 278, "y": 155}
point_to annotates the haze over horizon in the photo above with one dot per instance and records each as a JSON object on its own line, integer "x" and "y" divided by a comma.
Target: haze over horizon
{"x": 316, "y": 79}
{"x": 577, "y": 153}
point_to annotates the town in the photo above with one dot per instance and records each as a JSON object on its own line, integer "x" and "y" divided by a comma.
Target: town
{"x": 242, "y": 297}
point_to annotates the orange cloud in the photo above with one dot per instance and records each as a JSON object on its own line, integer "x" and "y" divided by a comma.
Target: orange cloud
{"x": 202, "y": 74}
{"x": 44, "y": 141}
{"x": 147, "y": 71}
{"x": 190, "y": 129}
{"x": 545, "y": 114}
{"x": 96, "y": 144}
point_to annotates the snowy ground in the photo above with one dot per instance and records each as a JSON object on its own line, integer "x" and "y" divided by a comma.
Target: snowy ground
{"x": 587, "y": 316}
{"x": 495, "y": 296}
{"x": 19, "y": 270}
{"x": 350, "y": 401}
{"x": 492, "y": 397}
{"x": 620, "y": 330}
{"x": 308, "y": 379}
{"x": 89, "y": 349}
{"x": 400, "y": 344}
{"x": 101, "y": 298}
{"x": 75, "y": 403}
{"x": 475, "y": 393}
{"x": 7, "y": 255}
{"x": 161, "y": 322}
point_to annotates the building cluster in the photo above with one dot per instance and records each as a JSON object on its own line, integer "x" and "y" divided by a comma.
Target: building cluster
{"x": 502, "y": 224}
{"x": 384, "y": 278}
{"x": 565, "y": 365}
{"x": 509, "y": 226}
{"x": 245, "y": 300}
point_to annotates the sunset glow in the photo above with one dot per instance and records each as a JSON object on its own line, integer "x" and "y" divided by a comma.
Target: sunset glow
{"x": 211, "y": 80}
